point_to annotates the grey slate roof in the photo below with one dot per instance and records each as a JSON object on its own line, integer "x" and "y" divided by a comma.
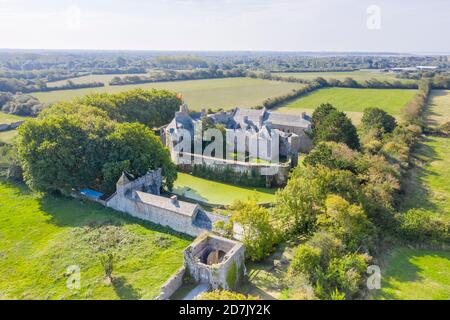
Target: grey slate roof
{"x": 287, "y": 120}
{"x": 182, "y": 207}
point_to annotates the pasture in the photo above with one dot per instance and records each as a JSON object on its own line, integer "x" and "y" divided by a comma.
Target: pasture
{"x": 103, "y": 78}
{"x": 428, "y": 186}
{"x": 7, "y": 136}
{"x": 438, "y": 111}
{"x": 6, "y": 118}
{"x": 412, "y": 274}
{"x": 352, "y": 101}
{"x": 213, "y": 192}
{"x": 359, "y": 75}
{"x": 41, "y": 236}
{"x": 211, "y": 93}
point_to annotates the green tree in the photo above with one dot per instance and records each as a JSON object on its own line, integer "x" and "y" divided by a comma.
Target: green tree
{"x": 258, "y": 236}
{"x": 153, "y": 108}
{"x": 378, "y": 119}
{"x": 328, "y": 124}
{"x": 303, "y": 198}
{"x": 348, "y": 222}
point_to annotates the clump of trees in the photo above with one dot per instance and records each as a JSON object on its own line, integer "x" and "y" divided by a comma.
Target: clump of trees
{"x": 153, "y": 108}
{"x": 20, "y": 104}
{"x": 73, "y": 146}
{"x": 259, "y": 235}
{"x": 329, "y": 124}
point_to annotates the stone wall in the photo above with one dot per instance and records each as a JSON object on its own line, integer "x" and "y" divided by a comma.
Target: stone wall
{"x": 10, "y": 126}
{"x": 279, "y": 173}
{"x": 172, "y": 285}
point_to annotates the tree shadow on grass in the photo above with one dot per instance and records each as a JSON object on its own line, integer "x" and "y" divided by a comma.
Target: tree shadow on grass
{"x": 124, "y": 290}
{"x": 399, "y": 268}
{"x": 68, "y": 212}
{"x": 416, "y": 193}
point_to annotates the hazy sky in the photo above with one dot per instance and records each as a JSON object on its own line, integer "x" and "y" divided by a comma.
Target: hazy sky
{"x": 281, "y": 25}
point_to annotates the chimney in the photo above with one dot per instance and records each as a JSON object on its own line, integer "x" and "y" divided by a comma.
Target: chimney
{"x": 174, "y": 200}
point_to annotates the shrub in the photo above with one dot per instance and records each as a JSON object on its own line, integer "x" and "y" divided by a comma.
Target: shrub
{"x": 420, "y": 226}
{"x": 258, "y": 236}
{"x": 224, "y": 295}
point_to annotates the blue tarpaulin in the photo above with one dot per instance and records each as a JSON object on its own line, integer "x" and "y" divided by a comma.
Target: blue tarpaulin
{"x": 91, "y": 194}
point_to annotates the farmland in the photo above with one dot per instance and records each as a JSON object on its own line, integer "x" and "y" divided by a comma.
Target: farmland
{"x": 428, "y": 186}
{"x": 216, "y": 192}
{"x": 352, "y": 101}
{"x": 360, "y": 75}
{"x": 103, "y": 78}
{"x": 6, "y": 118}
{"x": 212, "y": 93}
{"x": 416, "y": 275}
{"x": 438, "y": 112}
{"x": 43, "y": 235}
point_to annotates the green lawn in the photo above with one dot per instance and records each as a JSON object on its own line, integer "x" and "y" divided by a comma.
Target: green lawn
{"x": 355, "y": 100}
{"x": 216, "y": 192}
{"x": 40, "y": 237}
{"x": 6, "y": 118}
{"x": 429, "y": 185}
{"x": 438, "y": 111}
{"x": 360, "y": 75}
{"x": 415, "y": 275}
{"x": 211, "y": 93}
{"x": 7, "y": 136}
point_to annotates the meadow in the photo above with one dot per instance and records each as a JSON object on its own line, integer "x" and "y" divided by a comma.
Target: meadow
{"x": 6, "y": 118}
{"x": 103, "y": 78}
{"x": 211, "y": 93}
{"x": 428, "y": 186}
{"x": 359, "y": 75}
{"x": 412, "y": 274}
{"x": 352, "y": 101}
{"x": 8, "y": 136}
{"x": 438, "y": 111}
{"x": 41, "y": 236}
{"x": 213, "y": 192}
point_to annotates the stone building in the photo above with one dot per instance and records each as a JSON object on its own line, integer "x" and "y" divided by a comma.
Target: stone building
{"x": 216, "y": 261}
{"x": 141, "y": 198}
{"x": 258, "y": 124}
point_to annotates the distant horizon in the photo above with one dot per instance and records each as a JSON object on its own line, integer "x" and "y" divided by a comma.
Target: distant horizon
{"x": 443, "y": 53}
{"x": 382, "y": 26}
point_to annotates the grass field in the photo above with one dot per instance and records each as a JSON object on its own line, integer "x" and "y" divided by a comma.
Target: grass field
{"x": 104, "y": 78}
{"x": 438, "y": 111}
{"x": 7, "y": 136}
{"x": 216, "y": 192}
{"x": 360, "y": 75}
{"x": 416, "y": 275}
{"x": 6, "y": 118}
{"x": 428, "y": 187}
{"x": 212, "y": 93}
{"x": 352, "y": 101}
{"x": 40, "y": 237}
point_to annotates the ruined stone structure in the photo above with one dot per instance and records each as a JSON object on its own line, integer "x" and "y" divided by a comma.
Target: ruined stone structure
{"x": 141, "y": 198}
{"x": 216, "y": 261}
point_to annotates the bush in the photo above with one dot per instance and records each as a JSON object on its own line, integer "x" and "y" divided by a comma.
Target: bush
{"x": 258, "y": 236}
{"x": 421, "y": 226}
{"x": 224, "y": 295}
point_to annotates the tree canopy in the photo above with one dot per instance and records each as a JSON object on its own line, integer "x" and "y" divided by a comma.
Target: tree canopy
{"x": 329, "y": 124}
{"x": 77, "y": 146}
